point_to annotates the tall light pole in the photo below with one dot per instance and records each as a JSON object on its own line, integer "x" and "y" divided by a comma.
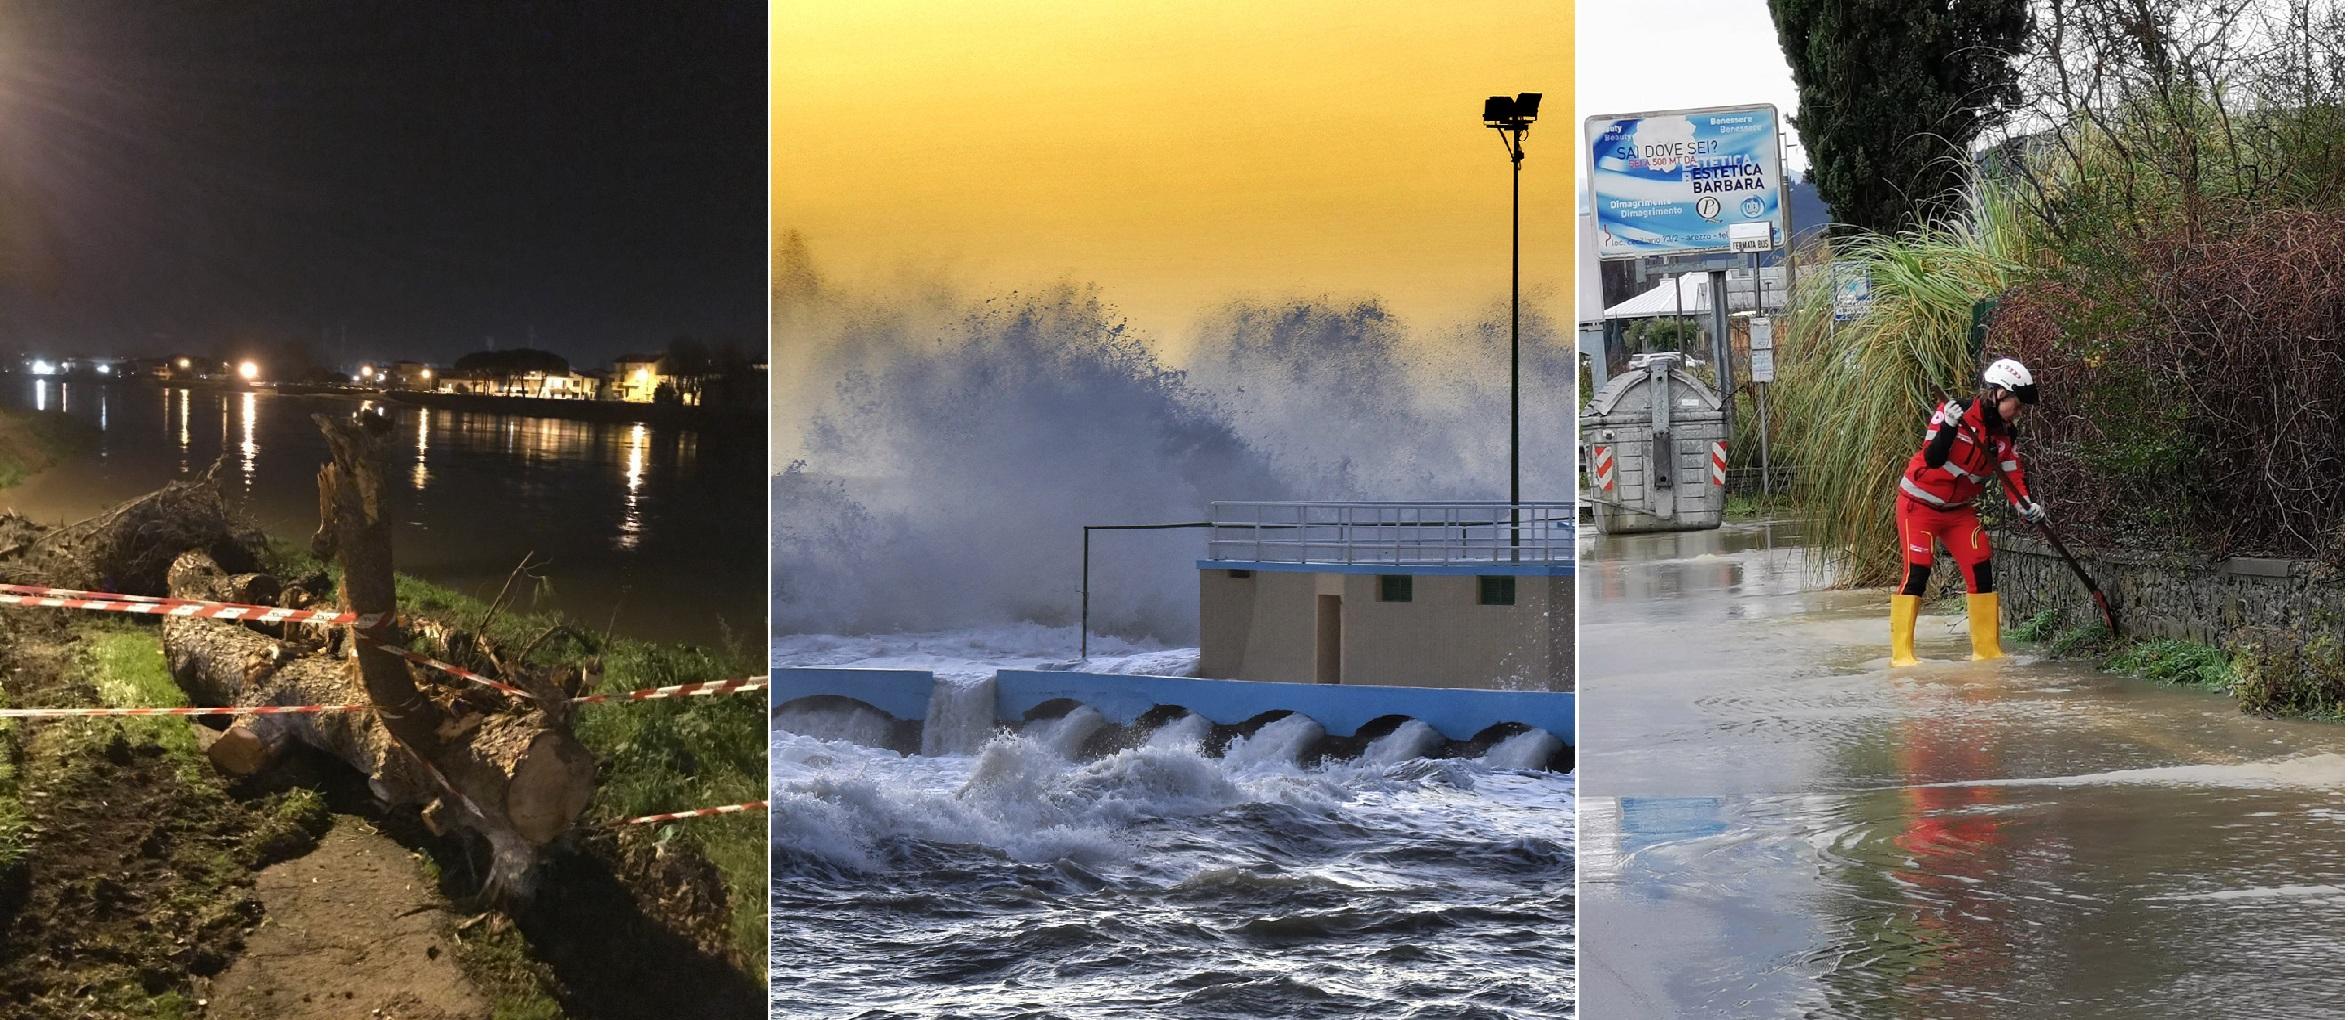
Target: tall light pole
{"x": 1513, "y": 118}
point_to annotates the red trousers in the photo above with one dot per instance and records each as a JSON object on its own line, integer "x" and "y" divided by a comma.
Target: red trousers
{"x": 1958, "y": 530}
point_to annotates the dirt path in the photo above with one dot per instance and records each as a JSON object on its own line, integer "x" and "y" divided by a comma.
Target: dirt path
{"x": 350, "y": 929}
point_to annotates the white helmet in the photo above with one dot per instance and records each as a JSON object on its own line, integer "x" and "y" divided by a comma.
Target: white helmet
{"x": 2009, "y": 375}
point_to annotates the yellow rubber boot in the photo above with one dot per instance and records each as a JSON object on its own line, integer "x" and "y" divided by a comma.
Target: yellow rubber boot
{"x": 1903, "y": 628}
{"x": 1981, "y": 619}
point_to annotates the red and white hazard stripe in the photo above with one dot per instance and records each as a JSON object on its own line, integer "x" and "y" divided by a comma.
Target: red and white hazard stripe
{"x": 1719, "y": 463}
{"x": 752, "y": 683}
{"x": 46, "y": 713}
{"x": 108, "y": 602}
{"x": 459, "y": 672}
{"x": 1603, "y": 467}
{"x": 729, "y": 809}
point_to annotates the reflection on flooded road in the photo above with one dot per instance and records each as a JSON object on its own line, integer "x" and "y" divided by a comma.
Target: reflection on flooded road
{"x": 1775, "y": 825}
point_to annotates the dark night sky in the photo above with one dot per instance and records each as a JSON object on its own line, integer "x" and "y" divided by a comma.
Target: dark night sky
{"x": 237, "y": 177}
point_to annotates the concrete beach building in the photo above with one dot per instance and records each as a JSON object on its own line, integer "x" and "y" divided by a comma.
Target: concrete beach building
{"x": 1433, "y": 594}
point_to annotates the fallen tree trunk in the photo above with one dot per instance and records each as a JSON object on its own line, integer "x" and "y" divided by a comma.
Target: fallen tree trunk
{"x": 504, "y": 767}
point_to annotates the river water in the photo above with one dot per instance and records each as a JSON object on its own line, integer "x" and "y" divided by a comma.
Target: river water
{"x": 1164, "y": 878}
{"x": 1776, "y": 825}
{"x": 659, "y": 532}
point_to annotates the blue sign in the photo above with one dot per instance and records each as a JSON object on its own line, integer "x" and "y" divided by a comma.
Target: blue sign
{"x": 1672, "y": 183}
{"x": 1854, "y": 290}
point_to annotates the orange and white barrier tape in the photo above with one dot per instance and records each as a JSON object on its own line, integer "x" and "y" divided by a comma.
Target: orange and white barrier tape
{"x": 729, "y": 809}
{"x": 75, "y": 598}
{"x": 45, "y": 713}
{"x": 107, "y": 602}
{"x": 460, "y": 672}
{"x": 752, "y": 683}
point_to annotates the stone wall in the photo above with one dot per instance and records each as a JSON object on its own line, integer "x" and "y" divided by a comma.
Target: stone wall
{"x": 2169, "y": 596}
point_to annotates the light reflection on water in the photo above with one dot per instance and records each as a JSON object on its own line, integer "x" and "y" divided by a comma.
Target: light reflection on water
{"x": 652, "y": 521}
{"x": 249, "y": 448}
{"x": 632, "y": 522}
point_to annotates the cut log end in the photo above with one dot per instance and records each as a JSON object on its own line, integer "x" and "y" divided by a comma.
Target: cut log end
{"x": 552, "y": 783}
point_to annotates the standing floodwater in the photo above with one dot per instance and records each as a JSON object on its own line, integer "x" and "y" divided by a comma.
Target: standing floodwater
{"x": 1779, "y": 826}
{"x": 639, "y": 526}
{"x": 1166, "y": 876}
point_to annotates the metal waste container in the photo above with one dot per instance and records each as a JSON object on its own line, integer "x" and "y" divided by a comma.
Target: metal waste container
{"x": 1656, "y": 441}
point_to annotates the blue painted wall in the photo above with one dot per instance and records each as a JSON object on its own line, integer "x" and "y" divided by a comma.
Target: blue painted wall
{"x": 1342, "y": 710}
{"x": 903, "y": 693}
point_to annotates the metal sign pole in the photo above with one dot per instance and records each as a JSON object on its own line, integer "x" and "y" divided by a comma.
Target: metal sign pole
{"x": 1726, "y": 372}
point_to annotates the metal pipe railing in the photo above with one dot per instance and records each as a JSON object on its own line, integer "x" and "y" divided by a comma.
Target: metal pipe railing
{"x": 1432, "y": 532}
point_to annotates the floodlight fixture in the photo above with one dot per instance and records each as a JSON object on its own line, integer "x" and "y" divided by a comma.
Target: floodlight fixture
{"x": 248, "y": 371}
{"x": 1513, "y": 118}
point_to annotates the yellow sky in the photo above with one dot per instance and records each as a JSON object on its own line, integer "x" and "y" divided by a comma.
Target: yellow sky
{"x": 1178, "y": 154}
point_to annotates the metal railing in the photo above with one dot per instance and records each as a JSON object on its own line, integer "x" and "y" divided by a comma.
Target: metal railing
{"x": 1400, "y": 533}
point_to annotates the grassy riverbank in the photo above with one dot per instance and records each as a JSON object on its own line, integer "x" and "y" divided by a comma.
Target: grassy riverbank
{"x": 2264, "y": 672}
{"x": 692, "y": 891}
{"x": 31, "y": 441}
{"x": 131, "y": 871}
{"x": 126, "y": 862}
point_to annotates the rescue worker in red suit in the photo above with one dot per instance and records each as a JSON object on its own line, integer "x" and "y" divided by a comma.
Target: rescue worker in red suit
{"x": 1967, "y": 445}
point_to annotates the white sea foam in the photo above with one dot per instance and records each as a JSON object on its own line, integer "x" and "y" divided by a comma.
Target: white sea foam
{"x": 1412, "y": 739}
{"x": 1531, "y": 749}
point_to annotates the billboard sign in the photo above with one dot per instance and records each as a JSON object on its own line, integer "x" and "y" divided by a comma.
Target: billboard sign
{"x": 1675, "y": 182}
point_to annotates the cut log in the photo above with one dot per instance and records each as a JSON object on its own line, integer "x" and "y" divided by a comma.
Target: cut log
{"x": 250, "y": 747}
{"x": 518, "y": 777}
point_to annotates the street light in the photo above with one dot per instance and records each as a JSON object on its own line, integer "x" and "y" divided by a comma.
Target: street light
{"x": 248, "y": 371}
{"x": 1513, "y": 118}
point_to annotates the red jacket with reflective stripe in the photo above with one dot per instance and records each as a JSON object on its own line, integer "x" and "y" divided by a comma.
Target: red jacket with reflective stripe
{"x": 1974, "y": 456}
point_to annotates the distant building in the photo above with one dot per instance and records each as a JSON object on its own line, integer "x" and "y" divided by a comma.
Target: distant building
{"x": 408, "y": 375}
{"x": 634, "y": 379}
{"x": 541, "y": 385}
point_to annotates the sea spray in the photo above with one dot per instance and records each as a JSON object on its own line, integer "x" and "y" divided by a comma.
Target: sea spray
{"x": 1531, "y": 749}
{"x": 943, "y": 449}
{"x": 1188, "y": 732}
{"x": 961, "y": 449}
{"x": 961, "y": 716}
{"x": 1349, "y": 404}
{"x": 1068, "y": 733}
{"x": 1280, "y": 743}
{"x": 1412, "y": 739}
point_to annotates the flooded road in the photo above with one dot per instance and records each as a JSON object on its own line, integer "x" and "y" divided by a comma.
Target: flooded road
{"x": 1775, "y": 825}
{"x": 657, "y": 531}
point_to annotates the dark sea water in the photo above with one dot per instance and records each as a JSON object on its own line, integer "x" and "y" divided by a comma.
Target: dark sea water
{"x": 1161, "y": 881}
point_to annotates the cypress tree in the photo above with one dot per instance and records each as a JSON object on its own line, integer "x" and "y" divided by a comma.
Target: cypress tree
{"x": 1892, "y": 94}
